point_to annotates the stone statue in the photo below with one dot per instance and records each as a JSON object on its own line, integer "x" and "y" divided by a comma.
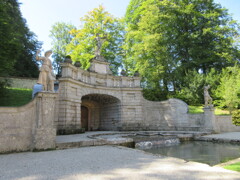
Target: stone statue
{"x": 99, "y": 40}
{"x": 207, "y": 97}
{"x": 46, "y": 76}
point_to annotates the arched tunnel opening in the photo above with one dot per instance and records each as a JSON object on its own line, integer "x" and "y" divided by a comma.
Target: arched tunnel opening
{"x": 100, "y": 112}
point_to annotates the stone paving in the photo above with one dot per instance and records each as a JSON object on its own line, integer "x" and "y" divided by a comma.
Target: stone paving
{"x": 106, "y": 162}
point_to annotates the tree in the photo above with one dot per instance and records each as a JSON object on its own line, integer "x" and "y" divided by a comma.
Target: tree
{"x": 26, "y": 65}
{"x": 98, "y": 23}
{"x": 168, "y": 39}
{"x": 17, "y": 45}
{"x": 192, "y": 86}
{"x": 228, "y": 91}
{"x": 61, "y": 37}
{"x": 10, "y": 36}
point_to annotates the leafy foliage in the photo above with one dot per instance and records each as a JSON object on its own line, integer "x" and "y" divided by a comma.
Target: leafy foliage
{"x": 192, "y": 86}
{"x": 170, "y": 40}
{"x": 61, "y": 37}
{"x": 236, "y": 117}
{"x": 18, "y": 44}
{"x": 4, "y": 83}
{"x": 10, "y": 37}
{"x": 228, "y": 92}
{"x": 98, "y": 22}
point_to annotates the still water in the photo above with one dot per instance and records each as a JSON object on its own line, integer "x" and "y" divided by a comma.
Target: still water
{"x": 200, "y": 151}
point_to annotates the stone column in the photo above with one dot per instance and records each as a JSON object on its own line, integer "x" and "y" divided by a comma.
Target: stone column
{"x": 210, "y": 119}
{"x": 44, "y": 132}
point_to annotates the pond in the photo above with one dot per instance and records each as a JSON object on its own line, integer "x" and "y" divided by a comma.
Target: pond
{"x": 200, "y": 151}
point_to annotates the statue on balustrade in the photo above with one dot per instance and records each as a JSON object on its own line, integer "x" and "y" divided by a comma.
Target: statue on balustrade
{"x": 99, "y": 42}
{"x": 46, "y": 76}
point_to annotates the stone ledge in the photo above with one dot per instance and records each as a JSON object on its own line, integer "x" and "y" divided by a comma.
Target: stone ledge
{"x": 218, "y": 140}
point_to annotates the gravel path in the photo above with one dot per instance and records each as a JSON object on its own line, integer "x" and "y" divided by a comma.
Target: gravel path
{"x": 104, "y": 163}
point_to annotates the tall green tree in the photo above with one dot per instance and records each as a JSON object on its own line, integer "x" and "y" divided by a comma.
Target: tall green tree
{"x": 10, "y": 36}
{"x": 228, "y": 92}
{"x": 61, "y": 37}
{"x": 168, "y": 39}
{"x": 18, "y": 43}
{"x": 98, "y": 23}
{"x": 26, "y": 64}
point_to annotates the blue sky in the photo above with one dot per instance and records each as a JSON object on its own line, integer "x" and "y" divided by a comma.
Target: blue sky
{"x": 42, "y": 14}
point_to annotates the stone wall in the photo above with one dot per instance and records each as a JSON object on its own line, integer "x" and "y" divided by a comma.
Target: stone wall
{"x": 16, "y": 126}
{"x": 25, "y": 83}
{"x": 171, "y": 115}
{"x": 28, "y": 127}
{"x": 112, "y": 115}
{"x": 116, "y": 103}
{"x": 224, "y": 124}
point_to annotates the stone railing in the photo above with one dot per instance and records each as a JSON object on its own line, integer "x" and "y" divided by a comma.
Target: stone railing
{"x": 70, "y": 71}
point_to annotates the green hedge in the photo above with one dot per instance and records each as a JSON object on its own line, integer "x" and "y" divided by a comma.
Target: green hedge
{"x": 236, "y": 117}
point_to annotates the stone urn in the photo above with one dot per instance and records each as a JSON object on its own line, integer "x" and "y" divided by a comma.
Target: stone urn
{"x": 77, "y": 64}
{"x": 123, "y": 73}
{"x": 68, "y": 59}
{"x": 136, "y": 74}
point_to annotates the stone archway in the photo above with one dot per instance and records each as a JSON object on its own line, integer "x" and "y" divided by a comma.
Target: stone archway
{"x": 104, "y": 112}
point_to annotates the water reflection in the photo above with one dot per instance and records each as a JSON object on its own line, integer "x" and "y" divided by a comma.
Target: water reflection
{"x": 200, "y": 151}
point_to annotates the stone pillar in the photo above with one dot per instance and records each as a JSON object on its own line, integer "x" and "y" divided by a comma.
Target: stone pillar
{"x": 210, "y": 119}
{"x": 67, "y": 70}
{"x": 44, "y": 132}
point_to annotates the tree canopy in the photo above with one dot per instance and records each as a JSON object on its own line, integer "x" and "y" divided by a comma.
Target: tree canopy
{"x": 18, "y": 43}
{"x": 228, "y": 91}
{"x": 178, "y": 46}
{"x": 98, "y": 22}
{"x": 168, "y": 39}
{"x": 61, "y": 37}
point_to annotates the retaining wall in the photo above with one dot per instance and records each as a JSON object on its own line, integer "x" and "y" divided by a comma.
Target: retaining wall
{"x": 16, "y": 126}
{"x": 224, "y": 124}
{"x": 30, "y": 126}
{"x": 19, "y": 82}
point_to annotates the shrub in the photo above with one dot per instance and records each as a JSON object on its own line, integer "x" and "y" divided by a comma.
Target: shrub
{"x": 236, "y": 117}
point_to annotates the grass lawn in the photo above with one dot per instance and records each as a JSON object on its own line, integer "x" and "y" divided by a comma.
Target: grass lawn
{"x": 233, "y": 167}
{"x": 195, "y": 109}
{"x": 16, "y": 97}
{"x": 199, "y": 109}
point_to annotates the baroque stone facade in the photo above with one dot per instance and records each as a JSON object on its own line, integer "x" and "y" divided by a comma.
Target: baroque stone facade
{"x": 97, "y": 100}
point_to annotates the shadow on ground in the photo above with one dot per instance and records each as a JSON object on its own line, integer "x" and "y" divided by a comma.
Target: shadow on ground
{"x": 104, "y": 162}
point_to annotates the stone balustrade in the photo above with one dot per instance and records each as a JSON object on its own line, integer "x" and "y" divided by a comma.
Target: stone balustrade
{"x": 106, "y": 80}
